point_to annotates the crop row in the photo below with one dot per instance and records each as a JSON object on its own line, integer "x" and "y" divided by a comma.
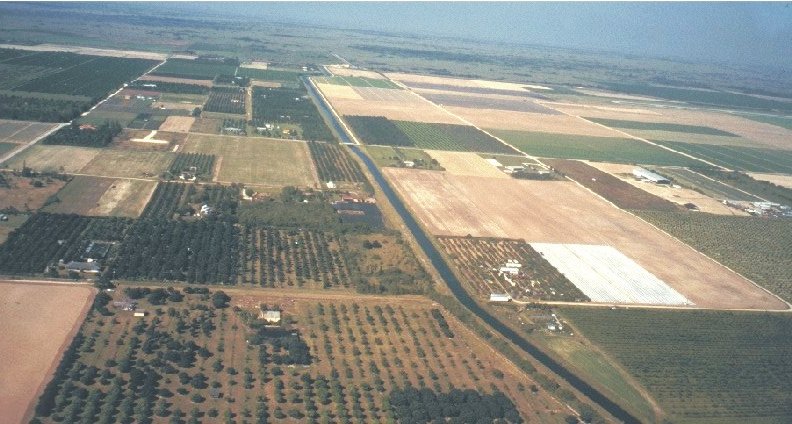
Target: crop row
{"x": 463, "y": 138}
{"x": 199, "y": 164}
{"x": 27, "y": 108}
{"x": 226, "y": 102}
{"x": 378, "y": 130}
{"x": 186, "y": 68}
{"x": 74, "y": 135}
{"x": 333, "y": 163}
{"x": 738, "y": 158}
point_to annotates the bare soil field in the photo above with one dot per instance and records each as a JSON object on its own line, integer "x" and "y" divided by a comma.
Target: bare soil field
{"x": 181, "y": 124}
{"x": 129, "y": 163}
{"x": 87, "y": 50}
{"x": 97, "y": 196}
{"x": 175, "y": 106}
{"x": 407, "y": 78}
{"x": 524, "y": 121}
{"x": 466, "y": 164}
{"x": 564, "y": 212}
{"x": 268, "y": 84}
{"x": 486, "y": 101}
{"x": 386, "y": 94}
{"x": 204, "y": 83}
{"x": 349, "y": 72}
{"x": 45, "y": 318}
{"x": 777, "y": 179}
{"x": 752, "y": 133}
{"x": 206, "y": 125}
{"x": 53, "y": 158}
{"x": 680, "y": 196}
{"x": 399, "y": 111}
{"x": 256, "y": 161}
{"x": 336, "y": 91}
{"x": 23, "y": 195}
{"x": 22, "y": 131}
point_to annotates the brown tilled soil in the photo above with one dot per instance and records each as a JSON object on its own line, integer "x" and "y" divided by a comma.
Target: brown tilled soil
{"x": 564, "y": 212}
{"x": 23, "y": 195}
{"x": 180, "y": 124}
{"x": 204, "y": 83}
{"x": 39, "y": 322}
{"x": 526, "y": 121}
{"x": 606, "y": 185}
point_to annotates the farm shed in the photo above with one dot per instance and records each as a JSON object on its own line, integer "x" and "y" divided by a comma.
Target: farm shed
{"x": 139, "y": 313}
{"x": 644, "y": 174}
{"x": 271, "y": 317}
{"x": 499, "y": 297}
{"x": 90, "y": 267}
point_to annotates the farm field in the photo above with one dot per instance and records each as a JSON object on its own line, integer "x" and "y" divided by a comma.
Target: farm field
{"x": 395, "y": 156}
{"x": 206, "y": 126}
{"x": 409, "y": 79}
{"x": 45, "y": 318}
{"x": 479, "y": 260}
{"x": 356, "y": 81}
{"x": 128, "y": 163}
{"x": 194, "y": 69}
{"x": 175, "y": 80}
{"x": 352, "y": 72}
{"x": 713, "y": 188}
{"x": 226, "y": 100}
{"x": 53, "y": 158}
{"x": 269, "y": 74}
{"x": 487, "y": 101}
{"x": 751, "y": 133}
{"x": 604, "y": 149}
{"x": 620, "y": 193}
{"x": 679, "y": 195}
{"x": 466, "y": 164}
{"x": 304, "y": 369}
{"x": 660, "y": 126}
{"x": 22, "y": 131}
{"x": 8, "y": 147}
{"x": 738, "y": 158}
{"x": 605, "y": 275}
{"x": 755, "y": 247}
{"x": 563, "y": 212}
{"x": 14, "y": 222}
{"x": 96, "y": 196}
{"x": 99, "y": 117}
{"x": 509, "y": 160}
{"x": 20, "y": 193}
{"x": 291, "y": 106}
{"x": 378, "y": 130}
{"x": 333, "y": 163}
{"x": 781, "y": 121}
{"x": 779, "y": 180}
{"x": 462, "y": 138}
{"x": 181, "y": 124}
{"x": 535, "y": 122}
{"x": 701, "y": 366}
{"x": 256, "y": 161}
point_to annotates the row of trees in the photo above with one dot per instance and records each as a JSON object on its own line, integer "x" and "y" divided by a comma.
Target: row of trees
{"x": 413, "y": 405}
{"x": 333, "y": 163}
{"x": 78, "y": 135}
{"x": 289, "y": 105}
{"x": 42, "y": 109}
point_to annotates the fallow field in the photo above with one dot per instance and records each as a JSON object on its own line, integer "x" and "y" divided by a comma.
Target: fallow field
{"x": 99, "y": 196}
{"x": 563, "y": 212}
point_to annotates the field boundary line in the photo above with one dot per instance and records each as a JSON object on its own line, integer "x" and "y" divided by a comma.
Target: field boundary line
{"x": 30, "y": 144}
{"x": 333, "y": 112}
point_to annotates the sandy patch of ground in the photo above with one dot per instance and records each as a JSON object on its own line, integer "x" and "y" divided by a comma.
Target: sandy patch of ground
{"x": 175, "y": 106}
{"x": 564, "y": 212}
{"x": 335, "y": 91}
{"x": 498, "y": 85}
{"x": 466, "y": 164}
{"x": 752, "y": 133}
{"x": 525, "y": 121}
{"x": 608, "y": 94}
{"x": 180, "y": 124}
{"x": 680, "y": 196}
{"x": 204, "y": 83}
{"x": 777, "y": 179}
{"x": 267, "y": 84}
{"x": 350, "y": 72}
{"x": 23, "y": 195}
{"x": 150, "y": 139}
{"x": 124, "y": 198}
{"x": 45, "y": 318}
{"x": 255, "y": 65}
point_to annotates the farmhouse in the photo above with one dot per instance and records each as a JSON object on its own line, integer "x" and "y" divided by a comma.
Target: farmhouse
{"x": 500, "y": 297}
{"x": 88, "y": 267}
{"x": 646, "y": 175}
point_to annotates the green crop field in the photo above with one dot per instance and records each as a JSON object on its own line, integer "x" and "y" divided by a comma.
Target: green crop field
{"x": 357, "y": 82}
{"x": 458, "y": 138}
{"x": 780, "y": 121}
{"x": 757, "y": 248}
{"x": 603, "y": 149}
{"x": 378, "y": 130}
{"x": 701, "y": 366}
{"x": 269, "y": 74}
{"x": 737, "y": 158}
{"x": 660, "y": 126}
{"x": 7, "y": 147}
{"x": 186, "y": 68}
{"x": 703, "y": 184}
{"x": 258, "y": 161}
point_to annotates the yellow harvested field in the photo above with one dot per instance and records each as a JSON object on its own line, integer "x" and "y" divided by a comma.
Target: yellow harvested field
{"x": 125, "y": 198}
{"x": 752, "y": 133}
{"x": 466, "y": 164}
{"x": 526, "y": 121}
{"x": 565, "y": 212}
{"x": 40, "y": 322}
{"x": 177, "y": 124}
{"x": 349, "y": 72}
{"x": 496, "y": 85}
{"x": 336, "y": 91}
{"x": 414, "y": 111}
{"x": 777, "y": 179}
{"x": 680, "y": 195}
{"x": 256, "y": 160}
{"x": 43, "y": 158}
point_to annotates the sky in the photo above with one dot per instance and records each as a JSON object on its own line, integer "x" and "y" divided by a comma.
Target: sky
{"x": 740, "y": 33}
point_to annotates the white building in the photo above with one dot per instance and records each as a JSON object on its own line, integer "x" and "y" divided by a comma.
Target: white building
{"x": 499, "y": 297}
{"x": 646, "y": 175}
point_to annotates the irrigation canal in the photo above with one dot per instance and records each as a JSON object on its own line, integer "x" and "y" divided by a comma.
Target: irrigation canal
{"x": 456, "y": 287}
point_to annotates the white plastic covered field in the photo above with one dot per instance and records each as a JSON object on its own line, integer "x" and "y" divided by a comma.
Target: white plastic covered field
{"x": 605, "y": 275}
